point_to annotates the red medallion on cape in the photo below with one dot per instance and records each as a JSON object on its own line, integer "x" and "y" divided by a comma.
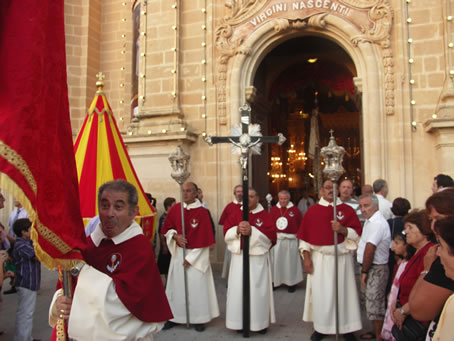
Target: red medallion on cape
{"x": 132, "y": 266}
{"x": 320, "y": 216}
{"x": 292, "y": 215}
{"x": 197, "y": 223}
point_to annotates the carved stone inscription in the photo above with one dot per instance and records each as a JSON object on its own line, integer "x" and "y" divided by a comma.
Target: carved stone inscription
{"x": 372, "y": 20}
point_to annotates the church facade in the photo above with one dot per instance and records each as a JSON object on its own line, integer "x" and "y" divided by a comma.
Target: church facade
{"x": 378, "y": 72}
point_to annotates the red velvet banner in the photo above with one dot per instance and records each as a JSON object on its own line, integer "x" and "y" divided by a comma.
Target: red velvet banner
{"x": 36, "y": 154}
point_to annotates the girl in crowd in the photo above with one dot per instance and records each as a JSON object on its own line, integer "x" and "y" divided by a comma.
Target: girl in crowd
{"x": 403, "y": 252}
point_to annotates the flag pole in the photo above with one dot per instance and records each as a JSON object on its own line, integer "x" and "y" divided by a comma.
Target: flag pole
{"x": 179, "y": 162}
{"x": 333, "y": 156}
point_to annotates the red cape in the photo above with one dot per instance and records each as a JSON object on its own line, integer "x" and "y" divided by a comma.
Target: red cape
{"x": 137, "y": 280}
{"x": 197, "y": 223}
{"x": 231, "y": 207}
{"x": 316, "y": 225}
{"x": 293, "y": 215}
{"x": 260, "y": 220}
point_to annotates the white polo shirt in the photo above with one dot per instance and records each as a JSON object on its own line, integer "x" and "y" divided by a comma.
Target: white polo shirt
{"x": 375, "y": 231}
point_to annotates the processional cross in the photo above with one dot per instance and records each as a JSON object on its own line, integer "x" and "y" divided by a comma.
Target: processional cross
{"x": 248, "y": 141}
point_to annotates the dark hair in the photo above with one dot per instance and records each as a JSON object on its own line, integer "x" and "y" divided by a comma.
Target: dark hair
{"x": 378, "y": 185}
{"x": 120, "y": 185}
{"x": 444, "y": 180}
{"x": 400, "y": 207}
{"x": 421, "y": 220}
{"x": 442, "y": 202}
{"x": 410, "y": 249}
{"x": 21, "y": 225}
{"x": 445, "y": 228}
{"x": 168, "y": 202}
{"x": 196, "y": 188}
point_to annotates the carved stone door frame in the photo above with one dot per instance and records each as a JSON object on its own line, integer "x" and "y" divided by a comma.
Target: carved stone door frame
{"x": 369, "y": 48}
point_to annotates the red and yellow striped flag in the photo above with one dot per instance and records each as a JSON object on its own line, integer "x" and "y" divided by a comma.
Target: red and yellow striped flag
{"x": 101, "y": 156}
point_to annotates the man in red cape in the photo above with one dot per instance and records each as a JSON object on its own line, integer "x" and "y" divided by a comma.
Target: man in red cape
{"x": 119, "y": 293}
{"x": 203, "y": 303}
{"x": 262, "y": 236}
{"x": 231, "y": 207}
{"x": 316, "y": 235}
{"x": 286, "y": 261}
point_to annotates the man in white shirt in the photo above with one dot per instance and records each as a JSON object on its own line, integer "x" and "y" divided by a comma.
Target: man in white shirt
{"x": 373, "y": 254}
{"x": 381, "y": 191}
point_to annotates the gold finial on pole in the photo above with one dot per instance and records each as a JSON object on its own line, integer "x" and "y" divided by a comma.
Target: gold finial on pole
{"x": 99, "y": 82}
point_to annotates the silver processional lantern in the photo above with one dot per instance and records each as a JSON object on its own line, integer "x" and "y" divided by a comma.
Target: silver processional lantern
{"x": 333, "y": 156}
{"x": 179, "y": 162}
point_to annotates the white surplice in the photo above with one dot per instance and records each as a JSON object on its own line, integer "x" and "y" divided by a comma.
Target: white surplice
{"x": 203, "y": 303}
{"x": 319, "y": 304}
{"x": 107, "y": 319}
{"x": 262, "y": 304}
{"x": 286, "y": 260}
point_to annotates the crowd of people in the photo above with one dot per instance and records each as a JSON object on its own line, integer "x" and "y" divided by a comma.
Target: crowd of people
{"x": 396, "y": 262}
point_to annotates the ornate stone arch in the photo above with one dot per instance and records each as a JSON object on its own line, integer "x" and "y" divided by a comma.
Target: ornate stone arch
{"x": 369, "y": 49}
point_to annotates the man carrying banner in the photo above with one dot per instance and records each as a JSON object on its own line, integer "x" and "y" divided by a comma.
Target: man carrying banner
{"x": 119, "y": 293}
{"x": 203, "y": 304}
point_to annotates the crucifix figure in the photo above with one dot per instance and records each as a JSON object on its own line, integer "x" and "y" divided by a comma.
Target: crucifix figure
{"x": 247, "y": 141}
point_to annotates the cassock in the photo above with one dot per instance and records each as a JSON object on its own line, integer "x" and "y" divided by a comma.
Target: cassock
{"x": 317, "y": 237}
{"x": 228, "y": 210}
{"x": 263, "y": 236}
{"x": 119, "y": 293}
{"x": 285, "y": 258}
{"x": 203, "y": 303}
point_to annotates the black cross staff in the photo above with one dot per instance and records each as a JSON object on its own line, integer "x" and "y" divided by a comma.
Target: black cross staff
{"x": 245, "y": 143}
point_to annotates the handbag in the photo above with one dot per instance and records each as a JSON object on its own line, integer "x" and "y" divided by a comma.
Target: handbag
{"x": 412, "y": 330}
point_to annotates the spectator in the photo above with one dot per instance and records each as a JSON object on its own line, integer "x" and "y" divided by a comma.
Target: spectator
{"x": 28, "y": 278}
{"x": 421, "y": 237}
{"x": 381, "y": 191}
{"x": 442, "y": 181}
{"x": 403, "y": 253}
{"x": 164, "y": 254}
{"x": 433, "y": 288}
{"x": 445, "y": 230}
{"x": 400, "y": 208}
{"x": 373, "y": 254}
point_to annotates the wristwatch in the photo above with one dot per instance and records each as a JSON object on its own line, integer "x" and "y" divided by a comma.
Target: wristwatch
{"x": 402, "y": 311}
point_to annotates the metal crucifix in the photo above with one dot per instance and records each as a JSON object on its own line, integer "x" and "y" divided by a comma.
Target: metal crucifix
{"x": 249, "y": 140}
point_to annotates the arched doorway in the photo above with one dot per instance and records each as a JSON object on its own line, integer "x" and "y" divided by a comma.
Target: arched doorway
{"x": 305, "y": 84}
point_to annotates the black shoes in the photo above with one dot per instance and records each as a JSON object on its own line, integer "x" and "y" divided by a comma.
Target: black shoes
{"x": 349, "y": 337}
{"x": 263, "y": 331}
{"x": 199, "y": 327}
{"x": 292, "y": 288}
{"x": 316, "y": 336}
{"x": 168, "y": 325}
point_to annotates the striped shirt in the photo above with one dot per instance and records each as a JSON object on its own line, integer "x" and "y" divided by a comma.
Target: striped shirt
{"x": 28, "y": 268}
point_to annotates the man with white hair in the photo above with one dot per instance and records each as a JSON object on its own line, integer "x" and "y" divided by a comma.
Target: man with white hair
{"x": 380, "y": 187}
{"x": 285, "y": 258}
{"x": 373, "y": 254}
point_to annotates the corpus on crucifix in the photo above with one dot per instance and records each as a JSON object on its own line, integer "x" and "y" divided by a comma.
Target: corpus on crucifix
{"x": 247, "y": 141}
